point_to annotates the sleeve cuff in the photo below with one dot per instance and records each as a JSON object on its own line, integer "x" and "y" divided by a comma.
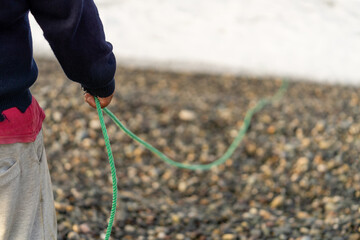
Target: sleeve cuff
{"x": 102, "y": 92}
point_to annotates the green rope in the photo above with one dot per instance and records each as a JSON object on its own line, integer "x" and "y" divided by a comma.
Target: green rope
{"x": 260, "y": 105}
{"x": 112, "y": 167}
{"x": 242, "y": 131}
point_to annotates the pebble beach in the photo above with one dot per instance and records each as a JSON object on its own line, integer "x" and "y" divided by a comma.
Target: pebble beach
{"x": 296, "y": 175}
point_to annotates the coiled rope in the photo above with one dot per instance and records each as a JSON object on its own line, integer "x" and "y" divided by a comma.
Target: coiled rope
{"x": 242, "y": 131}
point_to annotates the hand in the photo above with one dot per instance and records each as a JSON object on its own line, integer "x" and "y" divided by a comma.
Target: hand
{"x": 103, "y": 101}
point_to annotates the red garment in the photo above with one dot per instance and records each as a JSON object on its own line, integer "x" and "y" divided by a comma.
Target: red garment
{"x": 21, "y": 127}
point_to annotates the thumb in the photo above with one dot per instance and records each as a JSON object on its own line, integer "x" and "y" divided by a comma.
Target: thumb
{"x": 90, "y": 100}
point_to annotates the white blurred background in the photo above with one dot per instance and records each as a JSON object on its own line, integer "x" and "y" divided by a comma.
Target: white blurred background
{"x": 308, "y": 39}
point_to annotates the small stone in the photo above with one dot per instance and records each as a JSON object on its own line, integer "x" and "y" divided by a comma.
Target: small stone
{"x": 250, "y": 148}
{"x": 324, "y": 144}
{"x": 80, "y": 135}
{"x": 329, "y": 206}
{"x": 265, "y": 230}
{"x": 321, "y": 168}
{"x": 57, "y": 116}
{"x": 129, "y": 228}
{"x": 228, "y": 236}
{"x": 265, "y": 118}
{"x": 256, "y": 233}
{"x": 76, "y": 228}
{"x": 161, "y": 235}
{"x": 216, "y": 231}
{"x": 85, "y": 228}
{"x": 63, "y": 207}
{"x": 265, "y": 214}
{"x": 306, "y": 238}
{"x": 225, "y": 113}
{"x": 182, "y": 186}
{"x": 95, "y": 124}
{"x": 354, "y": 236}
{"x": 305, "y": 142}
{"x": 271, "y": 130}
{"x": 187, "y": 115}
{"x": 175, "y": 218}
{"x": 302, "y": 215}
{"x": 277, "y": 201}
{"x": 304, "y": 230}
{"x": 253, "y": 211}
{"x": 73, "y": 236}
{"x": 301, "y": 165}
{"x": 179, "y": 236}
{"x": 314, "y": 232}
{"x": 102, "y": 235}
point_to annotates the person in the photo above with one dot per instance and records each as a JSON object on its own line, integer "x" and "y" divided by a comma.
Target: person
{"x": 75, "y": 33}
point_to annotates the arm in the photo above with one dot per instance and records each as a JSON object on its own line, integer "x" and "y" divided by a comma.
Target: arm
{"x": 75, "y": 33}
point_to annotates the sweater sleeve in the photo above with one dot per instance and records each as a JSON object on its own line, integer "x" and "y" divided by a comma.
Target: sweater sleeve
{"x": 75, "y": 33}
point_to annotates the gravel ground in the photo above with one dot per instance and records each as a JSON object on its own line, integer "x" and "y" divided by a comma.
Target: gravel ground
{"x": 295, "y": 176}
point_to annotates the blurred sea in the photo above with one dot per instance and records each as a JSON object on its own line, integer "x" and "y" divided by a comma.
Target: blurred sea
{"x": 308, "y": 39}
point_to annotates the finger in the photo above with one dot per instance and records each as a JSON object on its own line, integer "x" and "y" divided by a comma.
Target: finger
{"x": 90, "y": 100}
{"x": 104, "y": 102}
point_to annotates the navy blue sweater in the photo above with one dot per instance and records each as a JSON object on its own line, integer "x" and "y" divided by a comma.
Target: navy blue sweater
{"x": 75, "y": 33}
